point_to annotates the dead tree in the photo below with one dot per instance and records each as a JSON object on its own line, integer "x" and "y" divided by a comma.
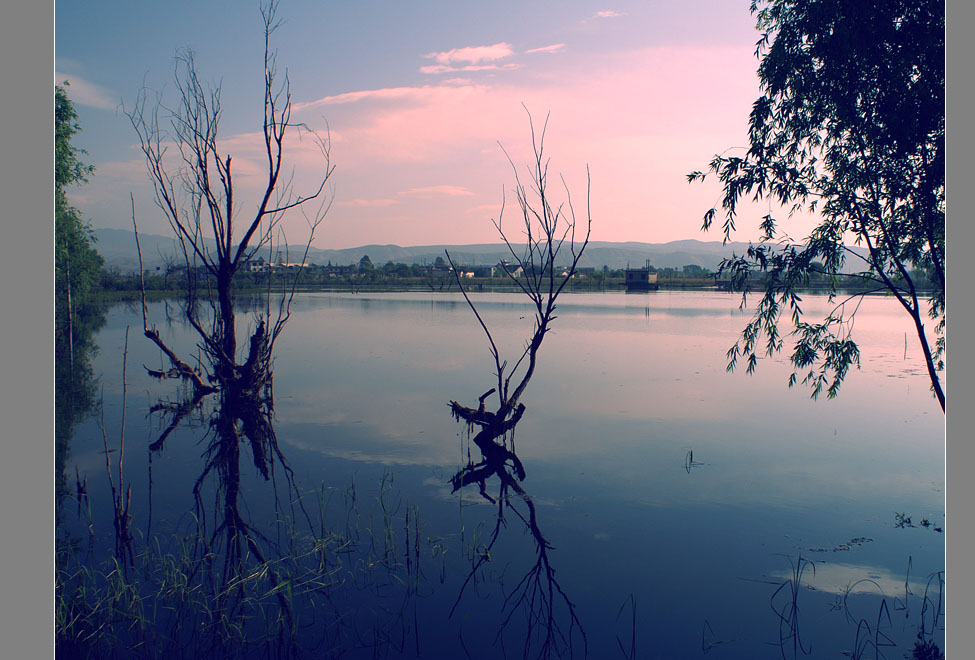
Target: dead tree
{"x": 217, "y": 235}
{"x": 541, "y": 270}
{"x": 196, "y": 191}
{"x": 550, "y": 231}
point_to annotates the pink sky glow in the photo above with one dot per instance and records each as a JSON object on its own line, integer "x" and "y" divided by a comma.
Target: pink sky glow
{"x": 425, "y": 159}
{"x": 640, "y": 120}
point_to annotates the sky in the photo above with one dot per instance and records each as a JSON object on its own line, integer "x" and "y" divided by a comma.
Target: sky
{"x": 417, "y": 100}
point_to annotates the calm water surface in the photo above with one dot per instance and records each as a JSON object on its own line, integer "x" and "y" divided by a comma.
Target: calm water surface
{"x": 677, "y": 498}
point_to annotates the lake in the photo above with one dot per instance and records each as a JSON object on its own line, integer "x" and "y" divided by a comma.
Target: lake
{"x": 670, "y": 509}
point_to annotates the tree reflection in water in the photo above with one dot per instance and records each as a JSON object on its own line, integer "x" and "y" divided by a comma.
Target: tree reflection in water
{"x": 551, "y": 625}
{"x": 255, "y": 571}
{"x": 75, "y": 394}
{"x": 241, "y": 415}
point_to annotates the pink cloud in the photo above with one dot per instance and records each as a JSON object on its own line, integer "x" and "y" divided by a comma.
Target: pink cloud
{"x": 608, "y": 13}
{"x": 368, "y": 203}
{"x": 443, "y": 68}
{"x": 388, "y": 93}
{"x": 554, "y": 48}
{"x": 415, "y": 124}
{"x": 473, "y": 54}
{"x": 437, "y": 191}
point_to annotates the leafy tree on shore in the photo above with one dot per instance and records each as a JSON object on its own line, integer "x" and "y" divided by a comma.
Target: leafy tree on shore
{"x": 77, "y": 267}
{"x": 76, "y": 262}
{"x": 850, "y": 126}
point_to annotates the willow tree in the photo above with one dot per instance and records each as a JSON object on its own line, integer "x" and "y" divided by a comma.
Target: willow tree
{"x": 850, "y": 127}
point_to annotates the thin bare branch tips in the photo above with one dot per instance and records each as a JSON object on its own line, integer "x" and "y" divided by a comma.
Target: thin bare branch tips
{"x": 269, "y": 14}
{"x": 547, "y": 226}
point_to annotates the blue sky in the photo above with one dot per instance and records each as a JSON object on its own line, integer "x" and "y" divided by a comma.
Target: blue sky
{"x": 416, "y": 97}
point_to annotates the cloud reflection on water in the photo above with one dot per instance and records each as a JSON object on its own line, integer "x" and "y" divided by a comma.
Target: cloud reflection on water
{"x": 856, "y": 579}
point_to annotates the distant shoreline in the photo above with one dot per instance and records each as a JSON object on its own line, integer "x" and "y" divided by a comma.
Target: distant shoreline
{"x": 473, "y": 287}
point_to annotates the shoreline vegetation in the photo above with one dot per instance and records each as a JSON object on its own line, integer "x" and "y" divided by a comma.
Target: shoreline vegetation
{"x": 124, "y": 287}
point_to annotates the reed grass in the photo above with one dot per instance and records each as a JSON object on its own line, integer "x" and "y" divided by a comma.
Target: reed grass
{"x": 785, "y": 603}
{"x": 629, "y": 654}
{"x": 167, "y": 598}
{"x": 876, "y": 635}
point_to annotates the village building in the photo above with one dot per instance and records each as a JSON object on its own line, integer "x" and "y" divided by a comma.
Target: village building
{"x": 642, "y": 279}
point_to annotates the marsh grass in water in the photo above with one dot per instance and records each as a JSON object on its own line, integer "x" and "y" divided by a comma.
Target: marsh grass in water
{"x": 361, "y": 577}
{"x": 872, "y": 632}
{"x": 173, "y": 602}
{"x": 877, "y": 627}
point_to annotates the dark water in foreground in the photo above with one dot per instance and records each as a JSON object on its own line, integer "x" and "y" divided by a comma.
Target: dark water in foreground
{"x": 673, "y": 502}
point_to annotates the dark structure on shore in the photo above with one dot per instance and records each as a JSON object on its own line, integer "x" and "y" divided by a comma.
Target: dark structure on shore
{"x": 641, "y": 279}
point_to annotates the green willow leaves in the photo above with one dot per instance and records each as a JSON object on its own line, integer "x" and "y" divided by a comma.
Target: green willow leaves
{"x": 76, "y": 263}
{"x": 850, "y": 129}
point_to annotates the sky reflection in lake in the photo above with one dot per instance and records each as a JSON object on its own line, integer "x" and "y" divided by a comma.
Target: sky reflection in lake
{"x": 655, "y": 472}
{"x": 643, "y": 373}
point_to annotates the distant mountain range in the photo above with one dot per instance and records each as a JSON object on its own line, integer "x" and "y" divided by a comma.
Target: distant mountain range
{"x": 117, "y": 247}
